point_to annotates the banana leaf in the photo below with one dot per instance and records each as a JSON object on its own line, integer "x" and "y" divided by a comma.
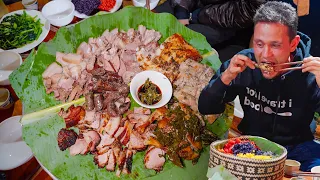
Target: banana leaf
{"x": 40, "y": 133}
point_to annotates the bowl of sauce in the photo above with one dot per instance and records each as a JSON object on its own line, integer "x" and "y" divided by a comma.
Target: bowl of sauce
{"x": 151, "y": 89}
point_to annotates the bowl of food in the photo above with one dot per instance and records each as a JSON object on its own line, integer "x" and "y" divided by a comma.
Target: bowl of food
{"x": 249, "y": 157}
{"x": 151, "y": 89}
{"x": 59, "y": 12}
{"x": 142, "y": 3}
{"x": 9, "y": 61}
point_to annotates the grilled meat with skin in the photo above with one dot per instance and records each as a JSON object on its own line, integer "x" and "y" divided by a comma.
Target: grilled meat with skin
{"x": 66, "y": 138}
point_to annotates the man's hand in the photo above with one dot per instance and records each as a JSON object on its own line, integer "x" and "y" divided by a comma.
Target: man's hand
{"x": 312, "y": 65}
{"x": 184, "y": 21}
{"x": 238, "y": 63}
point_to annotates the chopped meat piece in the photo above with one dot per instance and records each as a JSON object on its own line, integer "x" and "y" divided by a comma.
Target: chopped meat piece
{"x": 66, "y": 138}
{"x": 89, "y": 101}
{"x": 80, "y": 146}
{"x": 136, "y": 142}
{"x": 101, "y": 160}
{"x": 52, "y": 69}
{"x": 111, "y": 161}
{"x": 93, "y": 139}
{"x": 112, "y": 126}
{"x": 98, "y": 101}
{"x": 154, "y": 159}
{"x": 128, "y": 163}
{"x": 73, "y": 115}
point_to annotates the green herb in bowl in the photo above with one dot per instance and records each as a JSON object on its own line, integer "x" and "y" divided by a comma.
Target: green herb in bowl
{"x": 149, "y": 93}
{"x": 18, "y": 30}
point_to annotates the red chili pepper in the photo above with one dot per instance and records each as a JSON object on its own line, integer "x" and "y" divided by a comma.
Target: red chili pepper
{"x": 107, "y": 5}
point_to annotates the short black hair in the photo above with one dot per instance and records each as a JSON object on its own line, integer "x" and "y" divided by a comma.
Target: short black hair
{"x": 278, "y": 12}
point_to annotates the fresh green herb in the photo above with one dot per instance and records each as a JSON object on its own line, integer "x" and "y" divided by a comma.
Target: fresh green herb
{"x": 18, "y": 30}
{"x": 149, "y": 93}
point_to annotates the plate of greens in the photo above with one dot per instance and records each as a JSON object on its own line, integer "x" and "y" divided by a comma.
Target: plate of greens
{"x": 22, "y": 30}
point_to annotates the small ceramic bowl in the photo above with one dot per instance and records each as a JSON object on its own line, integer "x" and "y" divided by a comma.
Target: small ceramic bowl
{"x": 142, "y": 3}
{"x": 13, "y": 150}
{"x": 59, "y": 12}
{"x": 291, "y": 166}
{"x": 9, "y": 61}
{"x": 158, "y": 79}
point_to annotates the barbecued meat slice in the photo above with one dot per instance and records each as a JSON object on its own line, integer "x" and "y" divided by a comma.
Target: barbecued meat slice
{"x": 66, "y": 138}
{"x": 128, "y": 163}
{"x": 73, "y": 115}
{"x": 154, "y": 159}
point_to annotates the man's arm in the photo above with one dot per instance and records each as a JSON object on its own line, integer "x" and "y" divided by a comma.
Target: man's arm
{"x": 220, "y": 88}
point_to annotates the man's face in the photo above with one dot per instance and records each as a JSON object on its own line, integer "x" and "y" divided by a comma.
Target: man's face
{"x": 272, "y": 45}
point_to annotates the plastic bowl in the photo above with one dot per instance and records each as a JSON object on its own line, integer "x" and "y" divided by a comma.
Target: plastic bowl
{"x": 142, "y": 3}
{"x": 157, "y": 78}
{"x": 9, "y": 61}
{"x": 59, "y": 12}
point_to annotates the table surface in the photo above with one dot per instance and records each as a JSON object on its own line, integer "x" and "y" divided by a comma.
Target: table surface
{"x": 32, "y": 169}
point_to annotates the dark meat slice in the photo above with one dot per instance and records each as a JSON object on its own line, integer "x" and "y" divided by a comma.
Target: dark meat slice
{"x": 66, "y": 138}
{"x": 80, "y": 147}
{"x": 111, "y": 161}
{"x": 73, "y": 115}
{"x": 128, "y": 163}
{"x": 101, "y": 160}
{"x": 89, "y": 102}
{"x": 136, "y": 142}
{"x": 93, "y": 139}
{"x": 154, "y": 159}
{"x": 98, "y": 102}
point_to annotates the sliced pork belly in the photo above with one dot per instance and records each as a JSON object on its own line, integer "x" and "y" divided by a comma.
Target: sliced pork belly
{"x": 141, "y": 110}
{"x": 101, "y": 160}
{"x": 79, "y": 147}
{"x": 111, "y": 161}
{"x": 138, "y": 119}
{"x": 73, "y": 115}
{"x": 66, "y": 138}
{"x": 136, "y": 141}
{"x": 112, "y": 126}
{"x": 154, "y": 159}
{"x": 121, "y": 161}
{"x": 93, "y": 139}
{"x": 52, "y": 69}
{"x": 106, "y": 140}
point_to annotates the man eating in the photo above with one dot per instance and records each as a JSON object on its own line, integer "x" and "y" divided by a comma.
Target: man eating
{"x": 278, "y": 103}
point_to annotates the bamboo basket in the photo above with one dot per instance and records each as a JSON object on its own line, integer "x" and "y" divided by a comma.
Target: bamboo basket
{"x": 251, "y": 169}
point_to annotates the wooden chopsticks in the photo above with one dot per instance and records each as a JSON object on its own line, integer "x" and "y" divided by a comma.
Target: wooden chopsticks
{"x": 288, "y": 69}
{"x": 148, "y": 4}
{"x": 305, "y": 174}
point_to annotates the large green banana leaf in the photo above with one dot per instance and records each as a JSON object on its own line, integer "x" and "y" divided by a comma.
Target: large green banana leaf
{"x": 41, "y": 135}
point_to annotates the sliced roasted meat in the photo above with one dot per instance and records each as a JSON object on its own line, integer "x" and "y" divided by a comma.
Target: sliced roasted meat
{"x": 93, "y": 139}
{"x": 106, "y": 140}
{"x": 101, "y": 160}
{"x": 128, "y": 163}
{"x": 80, "y": 147}
{"x": 154, "y": 159}
{"x": 138, "y": 119}
{"x": 111, "y": 161}
{"x": 136, "y": 142}
{"x": 188, "y": 154}
{"x": 112, "y": 126}
{"x": 66, "y": 138}
{"x": 156, "y": 115}
{"x": 121, "y": 161}
{"x": 141, "y": 110}
{"x": 73, "y": 115}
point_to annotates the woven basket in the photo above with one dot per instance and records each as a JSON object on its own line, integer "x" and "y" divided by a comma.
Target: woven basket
{"x": 251, "y": 169}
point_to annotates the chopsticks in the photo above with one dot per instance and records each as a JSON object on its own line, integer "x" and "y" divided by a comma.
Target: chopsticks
{"x": 305, "y": 174}
{"x": 148, "y": 4}
{"x": 288, "y": 63}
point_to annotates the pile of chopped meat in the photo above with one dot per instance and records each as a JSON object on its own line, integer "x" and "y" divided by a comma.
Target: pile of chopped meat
{"x": 112, "y": 140}
{"x": 114, "y": 51}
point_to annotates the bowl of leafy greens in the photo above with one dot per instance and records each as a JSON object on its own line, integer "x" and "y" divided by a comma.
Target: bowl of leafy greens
{"x": 22, "y": 30}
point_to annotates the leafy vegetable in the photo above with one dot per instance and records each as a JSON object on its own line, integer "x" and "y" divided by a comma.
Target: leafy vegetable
{"x": 149, "y": 93}
{"x": 18, "y": 30}
{"x": 41, "y": 136}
